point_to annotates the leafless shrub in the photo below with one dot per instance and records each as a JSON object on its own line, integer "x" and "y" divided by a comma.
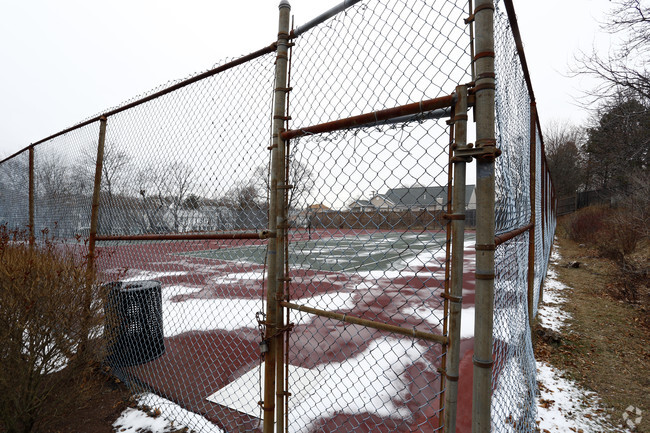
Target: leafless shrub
{"x": 50, "y": 310}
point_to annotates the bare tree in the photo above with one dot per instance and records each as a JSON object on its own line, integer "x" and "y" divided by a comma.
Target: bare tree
{"x": 178, "y": 183}
{"x": 563, "y": 143}
{"x": 14, "y": 192}
{"x": 625, "y": 68}
{"x": 300, "y": 178}
{"x": 54, "y": 195}
{"x": 115, "y": 162}
{"x": 165, "y": 191}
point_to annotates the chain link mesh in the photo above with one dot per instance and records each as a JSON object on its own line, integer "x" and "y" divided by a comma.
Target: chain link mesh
{"x": 64, "y": 173}
{"x": 514, "y": 375}
{"x": 195, "y": 161}
{"x": 367, "y": 237}
{"x": 14, "y": 192}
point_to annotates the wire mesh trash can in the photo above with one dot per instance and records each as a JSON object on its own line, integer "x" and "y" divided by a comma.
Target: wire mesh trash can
{"x": 134, "y": 323}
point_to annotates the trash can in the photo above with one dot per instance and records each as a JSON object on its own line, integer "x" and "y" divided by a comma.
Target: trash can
{"x": 134, "y": 324}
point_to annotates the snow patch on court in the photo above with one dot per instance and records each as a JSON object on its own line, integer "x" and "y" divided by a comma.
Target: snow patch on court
{"x": 137, "y": 275}
{"x": 434, "y": 318}
{"x": 208, "y": 314}
{"x": 374, "y": 382}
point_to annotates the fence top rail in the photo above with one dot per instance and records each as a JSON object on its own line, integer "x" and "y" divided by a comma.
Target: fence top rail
{"x": 323, "y": 17}
{"x": 514, "y": 25}
{"x": 222, "y": 68}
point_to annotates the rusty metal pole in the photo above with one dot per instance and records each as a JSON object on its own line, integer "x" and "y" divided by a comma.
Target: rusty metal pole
{"x": 94, "y": 210}
{"x": 533, "y": 216}
{"x": 274, "y": 393}
{"x": 455, "y": 297}
{"x": 485, "y": 218}
{"x": 32, "y": 236}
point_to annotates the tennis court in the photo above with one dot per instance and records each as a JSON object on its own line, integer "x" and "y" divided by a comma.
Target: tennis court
{"x": 212, "y": 296}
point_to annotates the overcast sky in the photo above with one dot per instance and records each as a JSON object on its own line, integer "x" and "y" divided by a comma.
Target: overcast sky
{"x": 68, "y": 60}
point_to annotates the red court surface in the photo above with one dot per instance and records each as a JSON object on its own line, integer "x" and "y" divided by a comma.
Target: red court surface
{"x": 212, "y": 337}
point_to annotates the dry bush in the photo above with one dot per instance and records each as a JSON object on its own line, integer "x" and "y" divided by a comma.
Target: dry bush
{"x": 619, "y": 238}
{"x": 50, "y": 304}
{"x": 585, "y": 225}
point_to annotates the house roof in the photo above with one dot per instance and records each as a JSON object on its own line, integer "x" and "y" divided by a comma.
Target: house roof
{"x": 360, "y": 203}
{"x": 422, "y": 196}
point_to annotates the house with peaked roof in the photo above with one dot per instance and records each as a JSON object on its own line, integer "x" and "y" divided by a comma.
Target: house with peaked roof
{"x": 432, "y": 198}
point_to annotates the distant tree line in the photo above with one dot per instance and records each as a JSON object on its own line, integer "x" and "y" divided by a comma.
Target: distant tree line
{"x": 609, "y": 156}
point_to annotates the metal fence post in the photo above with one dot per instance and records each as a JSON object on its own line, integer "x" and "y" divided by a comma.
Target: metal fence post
{"x": 32, "y": 236}
{"x": 94, "y": 218}
{"x": 533, "y": 211}
{"x": 457, "y": 255}
{"x": 94, "y": 210}
{"x": 485, "y": 215}
{"x": 274, "y": 393}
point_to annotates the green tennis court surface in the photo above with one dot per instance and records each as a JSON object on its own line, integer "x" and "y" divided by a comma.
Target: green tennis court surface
{"x": 368, "y": 252}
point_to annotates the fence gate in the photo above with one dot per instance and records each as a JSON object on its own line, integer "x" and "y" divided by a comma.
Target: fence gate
{"x": 362, "y": 211}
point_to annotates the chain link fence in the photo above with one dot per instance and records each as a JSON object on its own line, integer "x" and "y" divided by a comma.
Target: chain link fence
{"x": 521, "y": 261}
{"x": 300, "y": 278}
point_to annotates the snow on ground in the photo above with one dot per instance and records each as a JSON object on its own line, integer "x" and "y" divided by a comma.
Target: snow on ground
{"x": 562, "y": 405}
{"x": 550, "y": 313}
{"x": 169, "y": 418}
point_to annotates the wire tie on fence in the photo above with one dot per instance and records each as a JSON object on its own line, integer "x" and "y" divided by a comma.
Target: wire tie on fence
{"x": 485, "y": 247}
{"x": 484, "y": 6}
{"x": 443, "y": 372}
{"x": 483, "y": 54}
{"x": 484, "y": 275}
{"x": 486, "y": 142}
{"x": 483, "y": 75}
{"x": 281, "y": 117}
{"x": 451, "y": 298}
{"x": 484, "y": 86}
{"x": 264, "y": 407}
{"x": 454, "y": 216}
{"x": 482, "y": 363}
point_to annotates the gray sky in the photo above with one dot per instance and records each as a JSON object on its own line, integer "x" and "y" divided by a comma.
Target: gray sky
{"x": 68, "y": 60}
